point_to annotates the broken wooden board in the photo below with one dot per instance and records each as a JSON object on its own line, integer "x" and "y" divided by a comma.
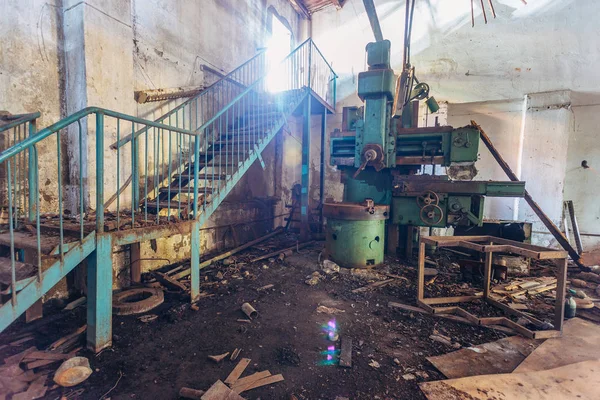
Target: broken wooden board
{"x": 346, "y": 353}
{"x": 248, "y": 380}
{"x": 261, "y": 382}
{"x": 580, "y": 341}
{"x": 499, "y": 357}
{"x": 17, "y": 358}
{"x": 220, "y": 391}
{"x": 576, "y": 381}
{"x": 237, "y": 371}
{"x": 36, "y": 390}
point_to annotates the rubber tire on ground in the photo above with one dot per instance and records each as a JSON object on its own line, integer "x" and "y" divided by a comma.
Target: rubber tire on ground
{"x": 123, "y": 307}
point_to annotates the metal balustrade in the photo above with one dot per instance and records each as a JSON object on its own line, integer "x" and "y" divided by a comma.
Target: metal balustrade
{"x": 174, "y": 171}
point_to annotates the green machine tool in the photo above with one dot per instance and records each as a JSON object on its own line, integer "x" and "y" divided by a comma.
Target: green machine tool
{"x": 382, "y": 152}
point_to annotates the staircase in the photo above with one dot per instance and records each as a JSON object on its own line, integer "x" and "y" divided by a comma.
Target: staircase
{"x": 159, "y": 178}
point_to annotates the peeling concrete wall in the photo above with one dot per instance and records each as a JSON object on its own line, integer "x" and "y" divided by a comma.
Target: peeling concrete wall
{"x": 58, "y": 57}
{"x": 30, "y": 40}
{"x": 544, "y": 139}
{"x": 581, "y": 183}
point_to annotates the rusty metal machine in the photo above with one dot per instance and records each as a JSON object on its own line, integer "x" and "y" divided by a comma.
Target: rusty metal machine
{"x": 382, "y": 152}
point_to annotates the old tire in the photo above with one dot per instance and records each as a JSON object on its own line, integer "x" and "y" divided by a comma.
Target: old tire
{"x": 137, "y": 301}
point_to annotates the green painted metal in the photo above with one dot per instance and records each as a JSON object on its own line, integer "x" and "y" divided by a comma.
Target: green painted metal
{"x": 369, "y": 184}
{"x": 355, "y": 244}
{"x": 464, "y": 145}
{"x": 376, "y": 84}
{"x": 33, "y": 291}
{"x": 20, "y": 120}
{"x": 195, "y": 262}
{"x": 31, "y": 174}
{"x": 99, "y": 286}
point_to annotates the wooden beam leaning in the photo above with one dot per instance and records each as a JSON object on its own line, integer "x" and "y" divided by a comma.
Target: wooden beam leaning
{"x": 558, "y": 235}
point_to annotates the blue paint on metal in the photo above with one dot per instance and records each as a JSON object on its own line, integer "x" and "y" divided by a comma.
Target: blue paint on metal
{"x": 32, "y": 173}
{"x": 99, "y": 285}
{"x": 100, "y": 173}
{"x": 262, "y": 162}
{"x": 97, "y": 246}
{"x": 32, "y": 292}
{"x": 195, "y": 262}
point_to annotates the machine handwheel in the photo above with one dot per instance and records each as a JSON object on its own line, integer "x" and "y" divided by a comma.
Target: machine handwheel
{"x": 431, "y": 214}
{"x": 427, "y": 198}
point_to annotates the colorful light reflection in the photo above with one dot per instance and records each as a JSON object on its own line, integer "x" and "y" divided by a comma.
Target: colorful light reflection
{"x": 331, "y": 355}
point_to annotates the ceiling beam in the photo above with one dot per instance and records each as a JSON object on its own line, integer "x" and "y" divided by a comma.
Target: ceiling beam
{"x": 300, "y": 8}
{"x": 338, "y": 3}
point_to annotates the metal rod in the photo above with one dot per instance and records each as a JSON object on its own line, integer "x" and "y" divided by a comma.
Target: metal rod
{"x": 13, "y": 276}
{"x": 373, "y": 20}
{"x": 558, "y": 235}
{"x": 483, "y": 10}
{"x": 492, "y": 8}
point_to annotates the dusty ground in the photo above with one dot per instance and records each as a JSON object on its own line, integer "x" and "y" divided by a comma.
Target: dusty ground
{"x": 153, "y": 360}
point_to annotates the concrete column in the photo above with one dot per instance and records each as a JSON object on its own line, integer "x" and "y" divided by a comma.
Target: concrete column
{"x": 98, "y": 43}
{"x": 547, "y": 124}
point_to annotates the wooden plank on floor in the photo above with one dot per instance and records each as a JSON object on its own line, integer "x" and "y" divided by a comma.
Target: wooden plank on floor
{"x": 220, "y": 391}
{"x": 575, "y": 381}
{"x": 237, "y": 371}
{"x": 241, "y": 383}
{"x": 580, "y": 342}
{"x": 346, "y": 353}
{"x": 262, "y": 382}
{"x": 499, "y": 357}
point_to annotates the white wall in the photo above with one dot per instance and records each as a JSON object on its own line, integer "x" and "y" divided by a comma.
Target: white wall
{"x": 543, "y": 46}
{"x": 484, "y": 73}
{"x": 581, "y": 185}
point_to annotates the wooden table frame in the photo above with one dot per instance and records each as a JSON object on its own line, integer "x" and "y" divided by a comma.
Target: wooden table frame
{"x": 489, "y": 245}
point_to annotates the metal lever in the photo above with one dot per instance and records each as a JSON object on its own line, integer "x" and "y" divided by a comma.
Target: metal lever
{"x": 368, "y": 156}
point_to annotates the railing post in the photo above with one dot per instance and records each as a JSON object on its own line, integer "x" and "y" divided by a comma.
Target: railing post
{"x": 135, "y": 178}
{"x": 310, "y": 46}
{"x": 195, "y": 232}
{"x": 33, "y": 189}
{"x": 334, "y": 90}
{"x": 99, "y": 172}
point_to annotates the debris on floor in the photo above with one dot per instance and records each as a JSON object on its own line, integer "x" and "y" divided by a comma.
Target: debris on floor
{"x": 574, "y": 381}
{"x": 27, "y": 374}
{"x": 501, "y": 356}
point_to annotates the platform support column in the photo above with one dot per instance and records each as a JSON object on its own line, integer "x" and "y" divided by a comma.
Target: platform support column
{"x": 195, "y": 262}
{"x": 99, "y": 304}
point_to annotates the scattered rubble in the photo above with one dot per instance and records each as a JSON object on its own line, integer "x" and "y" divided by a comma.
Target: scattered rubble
{"x": 73, "y": 371}
{"x": 314, "y": 279}
{"x": 329, "y": 267}
{"x": 329, "y": 310}
{"x": 249, "y": 310}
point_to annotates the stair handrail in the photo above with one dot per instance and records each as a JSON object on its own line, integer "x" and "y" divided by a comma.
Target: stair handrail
{"x": 70, "y": 119}
{"x": 19, "y": 119}
{"x": 208, "y": 90}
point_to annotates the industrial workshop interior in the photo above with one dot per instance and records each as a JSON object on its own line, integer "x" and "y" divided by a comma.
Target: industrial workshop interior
{"x": 299, "y": 199}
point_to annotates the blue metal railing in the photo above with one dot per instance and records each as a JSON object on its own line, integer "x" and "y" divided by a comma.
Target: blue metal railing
{"x": 183, "y": 165}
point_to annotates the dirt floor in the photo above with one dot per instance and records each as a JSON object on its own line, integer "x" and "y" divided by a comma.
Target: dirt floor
{"x": 153, "y": 360}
